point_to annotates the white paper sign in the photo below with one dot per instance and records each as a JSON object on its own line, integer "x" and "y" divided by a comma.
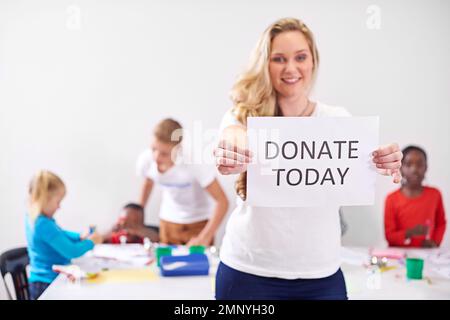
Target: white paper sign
{"x": 305, "y": 161}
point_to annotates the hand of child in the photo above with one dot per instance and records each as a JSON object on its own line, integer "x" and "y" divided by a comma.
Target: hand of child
{"x": 418, "y": 230}
{"x": 230, "y": 159}
{"x": 428, "y": 243}
{"x": 388, "y": 160}
{"x": 96, "y": 238}
{"x": 87, "y": 233}
{"x": 84, "y": 235}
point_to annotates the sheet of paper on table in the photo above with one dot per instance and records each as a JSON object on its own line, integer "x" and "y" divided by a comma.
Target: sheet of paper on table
{"x": 108, "y": 256}
{"x": 124, "y": 276}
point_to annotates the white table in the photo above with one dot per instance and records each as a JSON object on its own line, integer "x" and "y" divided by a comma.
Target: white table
{"x": 161, "y": 288}
{"x": 362, "y": 283}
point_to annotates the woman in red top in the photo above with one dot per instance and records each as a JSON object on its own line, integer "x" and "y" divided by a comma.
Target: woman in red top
{"x": 414, "y": 215}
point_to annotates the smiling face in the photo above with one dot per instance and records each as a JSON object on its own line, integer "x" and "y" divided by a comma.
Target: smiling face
{"x": 414, "y": 167}
{"x": 291, "y": 64}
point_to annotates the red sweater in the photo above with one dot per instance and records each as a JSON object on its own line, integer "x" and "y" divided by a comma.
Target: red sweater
{"x": 402, "y": 213}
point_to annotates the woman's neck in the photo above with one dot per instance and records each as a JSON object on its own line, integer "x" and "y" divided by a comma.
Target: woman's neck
{"x": 295, "y": 106}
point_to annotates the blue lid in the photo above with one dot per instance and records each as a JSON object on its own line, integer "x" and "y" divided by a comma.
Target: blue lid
{"x": 186, "y": 265}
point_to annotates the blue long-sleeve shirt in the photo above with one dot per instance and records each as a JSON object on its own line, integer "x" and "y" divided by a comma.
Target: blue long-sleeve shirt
{"x": 48, "y": 244}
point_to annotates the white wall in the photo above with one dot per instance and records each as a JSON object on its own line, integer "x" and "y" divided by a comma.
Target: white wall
{"x": 81, "y": 98}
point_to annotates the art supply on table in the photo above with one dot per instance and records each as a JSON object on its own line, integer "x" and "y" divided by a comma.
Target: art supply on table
{"x": 123, "y": 239}
{"x": 213, "y": 250}
{"x": 124, "y": 276}
{"x": 73, "y": 272}
{"x": 92, "y": 229}
{"x": 387, "y": 268}
{"x": 414, "y": 268}
{"x": 148, "y": 244}
{"x": 380, "y": 262}
{"x": 162, "y": 251}
{"x": 389, "y": 253}
{"x": 197, "y": 249}
{"x": 188, "y": 265}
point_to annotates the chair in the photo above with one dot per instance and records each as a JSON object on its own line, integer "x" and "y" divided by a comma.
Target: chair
{"x": 14, "y": 262}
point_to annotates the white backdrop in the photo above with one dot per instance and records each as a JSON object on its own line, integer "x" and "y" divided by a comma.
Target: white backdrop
{"x": 82, "y": 83}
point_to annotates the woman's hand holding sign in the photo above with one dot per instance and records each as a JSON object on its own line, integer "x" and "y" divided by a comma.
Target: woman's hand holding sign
{"x": 388, "y": 160}
{"x": 232, "y": 155}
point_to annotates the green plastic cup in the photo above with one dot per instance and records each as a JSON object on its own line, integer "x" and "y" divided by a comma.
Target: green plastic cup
{"x": 414, "y": 268}
{"x": 197, "y": 249}
{"x": 162, "y": 251}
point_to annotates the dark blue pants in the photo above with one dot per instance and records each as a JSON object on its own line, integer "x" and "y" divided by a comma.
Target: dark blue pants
{"x": 232, "y": 284}
{"x": 36, "y": 289}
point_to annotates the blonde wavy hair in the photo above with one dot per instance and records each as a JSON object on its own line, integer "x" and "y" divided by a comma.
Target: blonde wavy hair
{"x": 42, "y": 187}
{"x": 253, "y": 94}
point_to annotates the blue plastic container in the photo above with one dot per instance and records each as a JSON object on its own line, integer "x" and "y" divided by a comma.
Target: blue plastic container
{"x": 195, "y": 264}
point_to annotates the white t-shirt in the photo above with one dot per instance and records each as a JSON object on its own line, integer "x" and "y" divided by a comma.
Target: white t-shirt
{"x": 288, "y": 243}
{"x": 184, "y": 199}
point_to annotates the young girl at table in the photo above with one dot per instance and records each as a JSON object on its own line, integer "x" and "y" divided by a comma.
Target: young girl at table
{"x": 193, "y": 202}
{"x": 48, "y": 243}
{"x": 414, "y": 214}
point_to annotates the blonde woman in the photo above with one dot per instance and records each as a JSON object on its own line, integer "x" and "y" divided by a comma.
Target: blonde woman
{"x": 281, "y": 253}
{"x": 48, "y": 244}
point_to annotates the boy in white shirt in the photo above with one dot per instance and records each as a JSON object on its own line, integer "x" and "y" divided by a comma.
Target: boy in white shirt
{"x": 193, "y": 202}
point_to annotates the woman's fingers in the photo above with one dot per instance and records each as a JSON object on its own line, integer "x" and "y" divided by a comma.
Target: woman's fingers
{"x": 231, "y": 170}
{"x": 231, "y": 159}
{"x": 394, "y": 173}
{"x": 223, "y": 153}
{"x": 226, "y": 162}
{"x": 388, "y": 158}
{"x": 385, "y": 150}
{"x": 392, "y": 157}
{"x": 223, "y": 144}
{"x": 389, "y": 165}
{"x": 397, "y": 175}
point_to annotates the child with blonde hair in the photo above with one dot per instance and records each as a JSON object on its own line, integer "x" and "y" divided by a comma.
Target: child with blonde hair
{"x": 49, "y": 244}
